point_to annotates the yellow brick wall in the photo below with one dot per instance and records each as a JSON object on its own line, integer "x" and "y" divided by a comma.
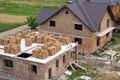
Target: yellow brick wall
{"x": 104, "y": 21}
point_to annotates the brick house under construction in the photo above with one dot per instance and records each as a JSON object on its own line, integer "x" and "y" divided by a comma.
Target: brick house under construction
{"x": 115, "y": 7}
{"x": 38, "y": 57}
{"x": 89, "y": 24}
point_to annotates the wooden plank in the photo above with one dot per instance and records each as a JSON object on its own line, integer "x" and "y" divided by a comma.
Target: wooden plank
{"x": 72, "y": 67}
{"x": 79, "y": 66}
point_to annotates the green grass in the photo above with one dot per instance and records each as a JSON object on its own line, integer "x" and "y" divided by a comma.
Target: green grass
{"x": 27, "y": 7}
{"x": 117, "y": 35}
{"x": 8, "y": 26}
{"x": 117, "y": 41}
{"x": 18, "y": 10}
{"x": 76, "y": 74}
{"x": 24, "y": 8}
{"x": 117, "y": 58}
{"x": 79, "y": 72}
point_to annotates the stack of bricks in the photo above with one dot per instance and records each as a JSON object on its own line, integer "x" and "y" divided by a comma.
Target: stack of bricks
{"x": 30, "y": 38}
{"x": 52, "y": 43}
{"x": 64, "y": 40}
{"x": 43, "y": 54}
{"x": 40, "y": 53}
{"x": 10, "y": 39}
{"x": 12, "y": 48}
{"x": 47, "y": 49}
{"x": 36, "y": 51}
{"x": 21, "y": 34}
{"x": 28, "y": 41}
{"x": 51, "y": 50}
{"x": 45, "y": 38}
{"x": 40, "y": 38}
{"x": 11, "y": 44}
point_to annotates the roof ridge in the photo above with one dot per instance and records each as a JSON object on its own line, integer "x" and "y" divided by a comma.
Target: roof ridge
{"x": 96, "y": 3}
{"x": 86, "y": 14}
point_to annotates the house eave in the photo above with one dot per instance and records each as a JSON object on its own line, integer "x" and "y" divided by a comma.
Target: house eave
{"x": 100, "y": 34}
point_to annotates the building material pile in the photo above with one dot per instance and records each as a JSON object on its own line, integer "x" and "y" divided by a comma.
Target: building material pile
{"x": 64, "y": 40}
{"x": 51, "y": 43}
{"x": 45, "y": 38}
{"x": 47, "y": 49}
{"x": 20, "y": 34}
{"x": 13, "y": 38}
{"x": 40, "y": 53}
{"x": 12, "y": 48}
{"x": 28, "y": 41}
{"x": 10, "y": 39}
{"x": 11, "y": 44}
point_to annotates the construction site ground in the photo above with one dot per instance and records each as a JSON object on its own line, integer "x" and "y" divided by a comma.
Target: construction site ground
{"x": 102, "y": 71}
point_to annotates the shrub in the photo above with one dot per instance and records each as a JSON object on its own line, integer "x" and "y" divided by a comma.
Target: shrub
{"x": 31, "y": 23}
{"x": 96, "y": 54}
{"x": 117, "y": 35}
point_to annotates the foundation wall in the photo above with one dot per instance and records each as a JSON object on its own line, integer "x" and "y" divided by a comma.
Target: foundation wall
{"x": 57, "y": 71}
{"x": 104, "y": 39}
{"x": 22, "y": 68}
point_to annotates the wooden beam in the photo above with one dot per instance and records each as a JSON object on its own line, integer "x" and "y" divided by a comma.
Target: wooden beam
{"x": 79, "y": 66}
{"x": 72, "y": 67}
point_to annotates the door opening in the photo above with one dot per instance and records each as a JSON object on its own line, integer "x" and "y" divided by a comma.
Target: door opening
{"x": 50, "y": 73}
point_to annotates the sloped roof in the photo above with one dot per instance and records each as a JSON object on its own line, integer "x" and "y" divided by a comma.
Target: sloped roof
{"x": 84, "y": 11}
{"x": 110, "y": 2}
{"x": 44, "y": 14}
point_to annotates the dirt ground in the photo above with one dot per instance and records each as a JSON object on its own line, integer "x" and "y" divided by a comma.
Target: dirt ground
{"x": 5, "y": 18}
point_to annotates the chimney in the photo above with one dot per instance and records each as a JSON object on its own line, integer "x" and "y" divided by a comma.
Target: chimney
{"x": 70, "y": 1}
{"x": 88, "y": 0}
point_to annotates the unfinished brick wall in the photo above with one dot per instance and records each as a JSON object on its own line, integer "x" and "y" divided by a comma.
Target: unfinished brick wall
{"x": 57, "y": 70}
{"x": 67, "y": 26}
{"x": 88, "y": 44}
{"x": 104, "y": 39}
{"x": 104, "y": 22}
{"x": 5, "y": 69}
{"x": 22, "y": 67}
{"x": 63, "y": 26}
{"x": 40, "y": 71}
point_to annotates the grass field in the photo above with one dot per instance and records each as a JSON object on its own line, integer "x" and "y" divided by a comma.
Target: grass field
{"x": 8, "y": 26}
{"x": 18, "y": 10}
{"x": 22, "y": 8}
{"x": 27, "y": 7}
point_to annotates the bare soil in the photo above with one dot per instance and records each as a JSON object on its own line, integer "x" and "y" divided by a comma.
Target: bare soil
{"x": 5, "y": 18}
